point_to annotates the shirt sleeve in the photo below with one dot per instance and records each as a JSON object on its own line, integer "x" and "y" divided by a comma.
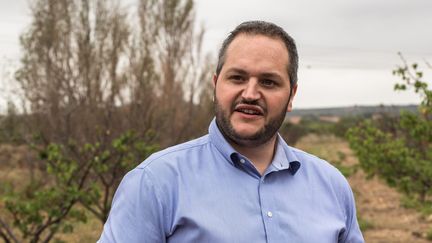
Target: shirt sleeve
{"x": 352, "y": 234}
{"x": 136, "y": 213}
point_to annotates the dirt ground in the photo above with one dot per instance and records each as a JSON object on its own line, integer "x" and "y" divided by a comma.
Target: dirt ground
{"x": 377, "y": 204}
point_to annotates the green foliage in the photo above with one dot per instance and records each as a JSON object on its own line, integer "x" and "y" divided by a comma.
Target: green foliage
{"x": 400, "y": 150}
{"x": 347, "y": 171}
{"x": 311, "y": 124}
{"x": 90, "y": 71}
{"x": 365, "y": 224}
{"x": 293, "y": 132}
{"x": 47, "y": 206}
{"x": 314, "y": 125}
{"x": 11, "y": 126}
{"x": 109, "y": 164}
{"x": 340, "y": 128}
{"x": 32, "y": 215}
{"x": 429, "y": 234}
{"x": 425, "y": 208}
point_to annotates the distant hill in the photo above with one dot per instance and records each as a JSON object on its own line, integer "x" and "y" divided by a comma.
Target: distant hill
{"x": 353, "y": 111}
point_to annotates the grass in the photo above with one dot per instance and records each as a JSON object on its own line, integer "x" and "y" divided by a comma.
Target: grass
{"x": 429, "y": 235}
{"x": 364, "y": 224}
{"x": 330, "y": 148}
{"x": 425, "y": 208}
{"x": 84, "y": 232}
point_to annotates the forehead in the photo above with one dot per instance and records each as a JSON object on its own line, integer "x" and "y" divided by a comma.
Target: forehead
{"x": 258, "y": 52}
{"x": 244, "y": 40}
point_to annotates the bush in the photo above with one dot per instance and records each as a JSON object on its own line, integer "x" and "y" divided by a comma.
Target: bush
{"x": 400, "y": 149}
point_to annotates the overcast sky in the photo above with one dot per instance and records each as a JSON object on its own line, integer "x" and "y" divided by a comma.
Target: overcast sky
{"x": 347, "y": 48}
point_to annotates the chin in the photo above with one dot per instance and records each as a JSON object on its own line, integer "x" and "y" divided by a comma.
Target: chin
{"x": 247, "y": 132}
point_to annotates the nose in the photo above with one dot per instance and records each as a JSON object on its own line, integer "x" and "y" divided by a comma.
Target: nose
{"x": 251, "y": 90}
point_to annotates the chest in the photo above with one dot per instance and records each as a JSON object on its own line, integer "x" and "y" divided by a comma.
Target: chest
{"x": 240, "y": 208}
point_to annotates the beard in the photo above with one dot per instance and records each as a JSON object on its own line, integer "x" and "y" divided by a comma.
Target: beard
{"x": 262, "y": 136}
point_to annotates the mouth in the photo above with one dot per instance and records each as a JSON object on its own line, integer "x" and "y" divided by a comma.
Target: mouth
{"x": 251, "y": 110}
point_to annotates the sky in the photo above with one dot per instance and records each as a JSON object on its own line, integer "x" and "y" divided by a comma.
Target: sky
{"x": 347, "y": 48}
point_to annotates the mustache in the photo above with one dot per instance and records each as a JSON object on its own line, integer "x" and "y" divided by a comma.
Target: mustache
{"x": 249, "y": 102}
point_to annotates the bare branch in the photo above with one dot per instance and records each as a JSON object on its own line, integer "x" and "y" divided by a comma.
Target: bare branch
{"x": 8, "y": 235}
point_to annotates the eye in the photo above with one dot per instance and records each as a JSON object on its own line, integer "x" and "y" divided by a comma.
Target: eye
{"x": 268, "y": 83}
{"x": 236, "y": 78}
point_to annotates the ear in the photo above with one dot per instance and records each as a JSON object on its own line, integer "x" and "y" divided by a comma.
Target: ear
{"x": 294, "y": 91}
{"x": 215, "y": 77}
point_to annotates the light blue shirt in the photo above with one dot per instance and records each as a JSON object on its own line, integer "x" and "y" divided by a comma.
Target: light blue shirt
{"x": 204, "y": 191}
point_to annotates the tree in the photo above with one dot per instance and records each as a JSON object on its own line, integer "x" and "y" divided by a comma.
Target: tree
{"x": 400, "y": 152}
{"x": 101, "y": 96}
{"x": 184, "y": 73}
{"x": 10, "y": 125}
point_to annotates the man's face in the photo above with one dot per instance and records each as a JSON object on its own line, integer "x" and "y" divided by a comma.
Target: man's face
{"x": 252, "y": 90}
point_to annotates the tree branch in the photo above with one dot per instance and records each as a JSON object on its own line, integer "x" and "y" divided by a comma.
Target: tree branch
{"x": 8, "y": 232}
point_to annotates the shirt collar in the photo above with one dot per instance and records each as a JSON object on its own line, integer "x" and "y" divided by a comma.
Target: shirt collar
{"x": 283, "y": 159}
{"x": 221, "y": 144}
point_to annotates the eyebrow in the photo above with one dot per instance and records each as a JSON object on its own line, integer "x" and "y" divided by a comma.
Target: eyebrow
{"x": 262, "y": 75}
{"x": 271, "y": 75}
{"x": 237, "y": 70}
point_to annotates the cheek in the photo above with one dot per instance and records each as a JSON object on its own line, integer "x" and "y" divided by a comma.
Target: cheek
{"x": 277, "y": 103}
{"x": 225, "y": 96}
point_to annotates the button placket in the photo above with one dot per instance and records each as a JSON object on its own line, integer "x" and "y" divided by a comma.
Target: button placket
{"x": 268, "y": 210}
{"x": 269, "y": 214}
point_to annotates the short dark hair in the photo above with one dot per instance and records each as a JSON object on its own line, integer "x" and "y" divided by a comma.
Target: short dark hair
{"x": 269, "y": 30}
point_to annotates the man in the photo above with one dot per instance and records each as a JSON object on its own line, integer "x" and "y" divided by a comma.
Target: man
{"x": 241, "y": 182}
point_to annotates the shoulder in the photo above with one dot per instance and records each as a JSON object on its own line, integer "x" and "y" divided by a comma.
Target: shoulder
{"x": 312, "y": 162}
{"x": 160, "y": 173}
{"x": 327, "y": 180}
{"x": 183, "y": 151}
{"x": 160, "y": 176}
{"x": 182, "y": 160}
{"x": 164, "y": 169}
{"x": 325, "y": 175}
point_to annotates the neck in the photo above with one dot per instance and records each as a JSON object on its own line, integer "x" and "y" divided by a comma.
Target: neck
{"x": 261, "y": 156}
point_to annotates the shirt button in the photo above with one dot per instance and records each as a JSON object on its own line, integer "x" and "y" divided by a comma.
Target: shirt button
{"x": 269, "y": 214}
{"x": 242, "y": 161}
